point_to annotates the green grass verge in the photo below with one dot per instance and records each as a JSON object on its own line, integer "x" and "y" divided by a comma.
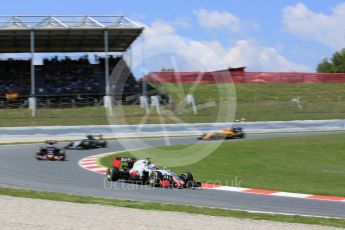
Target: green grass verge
{"x": 219, "y": 103}
{"x": 266, "y": 102}
{"x": 171, "y": 207}
{"x": 312, "y": 165}
{"x": 51, "y": 117}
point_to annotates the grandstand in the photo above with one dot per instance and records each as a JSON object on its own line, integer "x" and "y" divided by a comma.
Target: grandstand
{"x": 68, "y": 80}
{"x": 63, "y": 80}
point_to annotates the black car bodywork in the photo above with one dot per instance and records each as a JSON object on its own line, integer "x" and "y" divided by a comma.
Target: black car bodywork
{"x": 90, "y": 142}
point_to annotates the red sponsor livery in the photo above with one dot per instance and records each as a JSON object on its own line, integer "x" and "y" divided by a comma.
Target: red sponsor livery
{"x": 117, "y": 163}
{"x": 134, "y": 173}
{"x": 164, "y": 183}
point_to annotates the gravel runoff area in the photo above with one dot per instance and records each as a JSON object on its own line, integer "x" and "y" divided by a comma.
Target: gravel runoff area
{"x": 23, "y": 213}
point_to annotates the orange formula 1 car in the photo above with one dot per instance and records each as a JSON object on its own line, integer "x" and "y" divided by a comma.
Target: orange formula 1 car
{"x": 226, "y": 133}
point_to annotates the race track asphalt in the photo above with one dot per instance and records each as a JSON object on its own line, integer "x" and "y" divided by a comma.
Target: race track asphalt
{"x": 20, "y": 169}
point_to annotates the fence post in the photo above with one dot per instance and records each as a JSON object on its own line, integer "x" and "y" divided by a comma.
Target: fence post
{"x": 144, "y": 104}
{"x": 32, "y": 106}
{"x": 191, "y": 100}
{"x": 108, "y": 105}
{"x": 155, "y": 103}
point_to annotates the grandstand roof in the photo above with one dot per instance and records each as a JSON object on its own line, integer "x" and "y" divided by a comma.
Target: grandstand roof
{"x": 67, "y": 33}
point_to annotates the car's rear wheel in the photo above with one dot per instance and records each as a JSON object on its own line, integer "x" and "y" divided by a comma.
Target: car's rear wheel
{"x": 155, "y": 178}
{"x": 39, "y": 156}
{"x": 113, "y": 174}
{"x": 242, "y": 135}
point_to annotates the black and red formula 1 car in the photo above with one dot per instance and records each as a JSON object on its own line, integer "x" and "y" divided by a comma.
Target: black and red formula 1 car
{"x": 50, "y": 152}
{"x": 132, "y": 170}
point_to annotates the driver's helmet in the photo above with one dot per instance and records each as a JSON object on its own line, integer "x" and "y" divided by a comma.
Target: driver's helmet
{"x": 90, "y": 137}
{"x": 148, "y": 161}
{"x": 152, "y": 167}
{"x": 50, "y": 143}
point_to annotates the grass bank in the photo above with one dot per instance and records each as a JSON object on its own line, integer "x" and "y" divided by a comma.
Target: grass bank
{"x": 217, "y": 103}
{"x": 312, "y": 165}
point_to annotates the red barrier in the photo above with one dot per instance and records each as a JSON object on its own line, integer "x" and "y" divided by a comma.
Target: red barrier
{"x": 239, "y": 76}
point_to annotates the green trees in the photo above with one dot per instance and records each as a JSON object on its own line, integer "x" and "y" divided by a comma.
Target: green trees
{"x": 336, "y": 64}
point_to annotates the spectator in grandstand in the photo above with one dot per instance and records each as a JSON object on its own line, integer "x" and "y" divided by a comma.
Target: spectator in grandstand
{"x": 57, "y": 77}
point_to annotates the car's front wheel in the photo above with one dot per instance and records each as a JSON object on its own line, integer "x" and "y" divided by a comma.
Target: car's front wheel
{"x": 186, "y": 176}
{"x": 69, "y": 145}
{"x": 63, "y": 157}
{"x": 85, "y": 145}
{"x": 188, "y": 179}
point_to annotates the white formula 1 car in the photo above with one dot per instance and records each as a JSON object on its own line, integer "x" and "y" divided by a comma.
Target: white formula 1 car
{"x": 130, "y": 169}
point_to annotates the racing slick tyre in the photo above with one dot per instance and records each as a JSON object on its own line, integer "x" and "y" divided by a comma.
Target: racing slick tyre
{"x": 188, "y": 180}
{"x": 155, "y": 178}
{"x": 113, "y": 174}
{"x": 186, "y": 176}
{"x": 69, "y": 145}
{"x": 104, "y": 144}
{"x": 86, "y": 145}
{"x": 242, "y": 135}
{"x": 39, "y": 156}
{"x": 63, "y": 157}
